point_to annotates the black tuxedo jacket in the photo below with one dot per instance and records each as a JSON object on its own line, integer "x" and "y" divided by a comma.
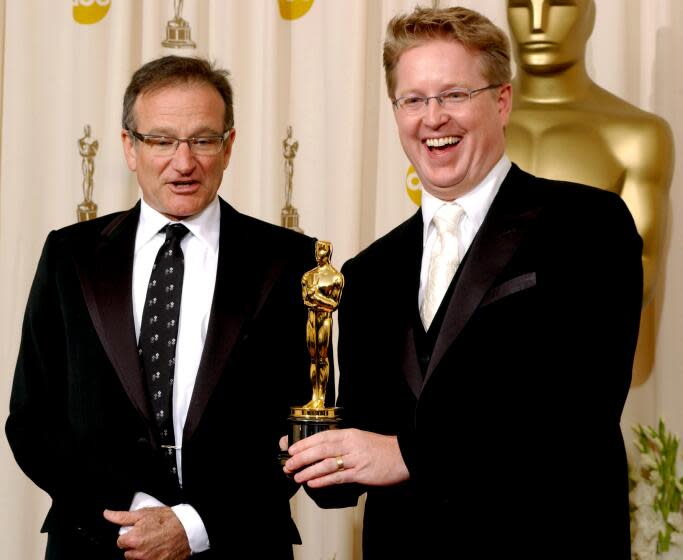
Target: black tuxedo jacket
{"x": 510, "y": 431}
{"x": 80, "y": 423}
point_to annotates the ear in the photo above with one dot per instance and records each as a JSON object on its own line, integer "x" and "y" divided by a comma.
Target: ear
{"x": 129, "y": 150}
{"x": 504, "y": 103}
{"x": 227, "y": 151}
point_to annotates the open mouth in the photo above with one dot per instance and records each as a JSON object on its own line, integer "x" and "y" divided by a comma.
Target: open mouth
{"x": 442, "y": 144}
{"x": 184, "y": 185}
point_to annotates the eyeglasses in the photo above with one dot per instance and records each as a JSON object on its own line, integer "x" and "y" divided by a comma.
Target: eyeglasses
{"x": 167, "y": 145}
{"x": 449, "y": 99}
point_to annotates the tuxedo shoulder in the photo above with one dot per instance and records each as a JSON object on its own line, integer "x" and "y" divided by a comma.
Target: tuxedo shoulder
{"x": 564, "y": 198}
{"x": 91, "y": 227}
{"x": 90, "y": 232}
{"x": 278, "y": 239}
{"x": 575, "y": 194}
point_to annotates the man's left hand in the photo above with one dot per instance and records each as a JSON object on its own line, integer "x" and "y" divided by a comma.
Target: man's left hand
{"x": 349, "y": 455}
{"x": 156, "y": 534}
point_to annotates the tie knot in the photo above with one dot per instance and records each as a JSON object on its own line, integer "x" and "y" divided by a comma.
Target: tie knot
{"x": 174, "y": 232}
{"x": 447, "y": 218}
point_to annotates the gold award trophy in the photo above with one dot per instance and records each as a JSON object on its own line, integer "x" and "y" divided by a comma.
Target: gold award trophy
{"x": 289, "y": 217}
{"x": 178, "y": 32}
{"x": 321, "y": 291}
{"x": 87, "y": 147}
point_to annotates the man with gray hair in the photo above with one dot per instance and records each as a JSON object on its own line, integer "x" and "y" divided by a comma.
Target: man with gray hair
{"x": 158, "y": 342}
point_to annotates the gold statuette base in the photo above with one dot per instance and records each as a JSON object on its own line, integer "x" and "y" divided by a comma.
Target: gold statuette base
{"x": 86, "y": 211}
{"x": 178, "y": 35}
{"x": 289, "y": 218}
{"x": 304, "y": 422}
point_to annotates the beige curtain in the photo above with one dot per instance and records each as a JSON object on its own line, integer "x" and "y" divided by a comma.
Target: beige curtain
{"x": 319, "y": 72}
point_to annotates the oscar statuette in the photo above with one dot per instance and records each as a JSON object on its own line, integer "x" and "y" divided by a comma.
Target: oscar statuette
{"x": 87, "y": 148}
{"x": 321, "y": 290}
{"x": 289, "y": 217}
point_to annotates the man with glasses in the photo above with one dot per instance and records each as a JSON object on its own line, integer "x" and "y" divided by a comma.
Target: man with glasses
{"x": 486, "y": 343}
{"x": 148, "y": 334}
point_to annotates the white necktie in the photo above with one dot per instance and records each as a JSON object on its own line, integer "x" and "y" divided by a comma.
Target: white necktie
{"x": 444, "y": 260}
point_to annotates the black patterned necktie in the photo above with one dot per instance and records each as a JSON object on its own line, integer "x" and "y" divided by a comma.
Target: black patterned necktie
{"x": 159, "y": 331}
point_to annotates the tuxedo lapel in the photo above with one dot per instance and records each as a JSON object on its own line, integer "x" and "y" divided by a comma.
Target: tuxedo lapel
{"x": 504, "y": 228}
{"x": 410, "y": 255}
{"x": 243, "y": 281}
{"x": 410, "y": 363}
{"x": 106, "y": 279}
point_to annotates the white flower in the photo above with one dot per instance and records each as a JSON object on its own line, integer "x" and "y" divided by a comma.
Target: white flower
{"x": 674, "y": 553}
{"x": 643, "y": 494}
{"x": 655, "y": 478}
{"x": 644, "y": 549}
{"x": 647, "y": 461}
{"x": 650, "y": 488}
{"x": 648, "y": 522}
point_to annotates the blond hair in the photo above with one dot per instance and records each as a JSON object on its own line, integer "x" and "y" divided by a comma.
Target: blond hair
{"x": 469, "y": 28}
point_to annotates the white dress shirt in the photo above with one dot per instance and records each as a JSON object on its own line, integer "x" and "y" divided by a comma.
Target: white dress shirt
{"x": 475, "y": 203}
{"x": 200, "y": 250}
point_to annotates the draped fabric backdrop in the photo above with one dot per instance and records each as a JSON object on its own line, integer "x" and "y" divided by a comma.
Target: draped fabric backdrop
{"x": 321, "y": 73}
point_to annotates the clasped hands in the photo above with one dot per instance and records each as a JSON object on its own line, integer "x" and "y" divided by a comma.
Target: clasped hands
{"x": 344, "y": 456}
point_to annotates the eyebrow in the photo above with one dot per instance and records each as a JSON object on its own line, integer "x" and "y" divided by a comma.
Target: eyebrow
{"x": 201, "y": 131}
{"x": 414, "y": 92}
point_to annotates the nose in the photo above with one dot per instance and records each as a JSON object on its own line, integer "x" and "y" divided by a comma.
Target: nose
{"x": 183, "y": 159}
{"x": 539, "y": 15}
{"x": 434, "y": 115}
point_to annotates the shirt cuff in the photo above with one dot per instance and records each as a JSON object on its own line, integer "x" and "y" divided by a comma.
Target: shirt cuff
{"x": 194, "y": 527}
{"x": 140, "y": 500}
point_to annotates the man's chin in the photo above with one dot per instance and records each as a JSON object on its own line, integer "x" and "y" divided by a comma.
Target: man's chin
{"x": 177, "y": 212}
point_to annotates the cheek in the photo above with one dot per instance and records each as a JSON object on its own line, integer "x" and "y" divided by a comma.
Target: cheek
{"x": 407, "y": 133}
{"x": 156, "y": 167}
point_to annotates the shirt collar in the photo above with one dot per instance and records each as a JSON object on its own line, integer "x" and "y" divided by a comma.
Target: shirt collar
{"x": 475, "y": 203}
{"x": 205, "y": 226}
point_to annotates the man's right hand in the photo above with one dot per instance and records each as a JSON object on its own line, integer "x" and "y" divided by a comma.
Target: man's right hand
{"x": 156, "y": 534}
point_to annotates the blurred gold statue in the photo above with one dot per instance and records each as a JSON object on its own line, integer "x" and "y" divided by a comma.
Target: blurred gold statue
{"x": 178, "y": 32}
{"x": 87, "y": 148}
{"x": 289, "y": 217}
{"x": 289, "y": 150}
{"x": 321, "y": 290}
{"x": 564, "y": 126}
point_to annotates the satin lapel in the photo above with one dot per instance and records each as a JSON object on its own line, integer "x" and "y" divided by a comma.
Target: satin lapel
{"x": 410, "y": 254}
{"x": 235, "y": 299}
{"x": 411, "y": 365}
{"x": 504, "y": 228}
{"x": 106, "y": 279}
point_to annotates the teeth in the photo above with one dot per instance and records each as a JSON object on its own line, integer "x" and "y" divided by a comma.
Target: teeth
{"x": 439, "y": 142}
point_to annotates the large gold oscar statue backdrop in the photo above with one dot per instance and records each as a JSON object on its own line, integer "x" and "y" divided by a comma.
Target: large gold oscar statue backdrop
{"x": 564, "y": 126}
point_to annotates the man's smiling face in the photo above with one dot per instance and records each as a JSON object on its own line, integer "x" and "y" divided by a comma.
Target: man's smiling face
{"x": 452, "y": 150}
